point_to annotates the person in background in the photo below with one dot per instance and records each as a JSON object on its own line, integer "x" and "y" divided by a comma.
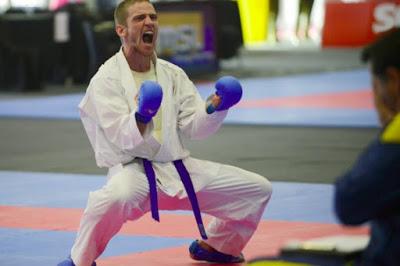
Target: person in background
{"x": 58, "y": 4}
{"x": 136, "y": 111}
{"x": 316, "y": 23}
{"x": 370, "y": 191}
{"x": 298, "y": 20}
{"x": 286, "y": 21}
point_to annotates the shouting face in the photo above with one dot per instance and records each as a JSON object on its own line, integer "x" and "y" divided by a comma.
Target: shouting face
{"x": 140, "y": 32}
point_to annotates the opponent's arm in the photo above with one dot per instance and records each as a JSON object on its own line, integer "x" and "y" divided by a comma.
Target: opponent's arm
{"x": 371, "y": 189}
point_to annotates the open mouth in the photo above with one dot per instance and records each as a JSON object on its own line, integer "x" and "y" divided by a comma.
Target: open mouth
{"x": 148, "y": 37}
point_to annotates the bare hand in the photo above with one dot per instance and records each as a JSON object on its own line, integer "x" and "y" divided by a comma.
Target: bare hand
{"x": 215, "y": 100}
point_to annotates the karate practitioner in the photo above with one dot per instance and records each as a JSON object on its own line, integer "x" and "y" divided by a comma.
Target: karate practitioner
{"x": 136, "y": 110}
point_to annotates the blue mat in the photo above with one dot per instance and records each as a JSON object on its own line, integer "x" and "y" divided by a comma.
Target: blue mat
{"x": 65, "y": 106}
{"x": 39, "y": 247}
{"x": 290, "y": 201}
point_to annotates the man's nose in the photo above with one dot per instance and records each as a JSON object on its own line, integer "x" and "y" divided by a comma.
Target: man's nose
{"x": 148, "y": 20}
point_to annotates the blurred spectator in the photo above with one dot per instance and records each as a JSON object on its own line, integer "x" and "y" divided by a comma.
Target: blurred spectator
{"x": 370, "y": 191}
{"x": 316, "y": 23}
{"x": 57, "y": 4}
{"x": 286, "y": 22}
{"x": 298, "y": 20}
{"x": 4, "y": 5}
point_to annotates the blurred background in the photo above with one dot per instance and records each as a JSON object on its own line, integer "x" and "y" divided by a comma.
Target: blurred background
{"x": 307, "y": 109}
{"x": 48, "y": 43}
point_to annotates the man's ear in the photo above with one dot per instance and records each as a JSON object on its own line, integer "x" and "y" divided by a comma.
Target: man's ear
{"x": 393, "y": 85}
{"x": 120, "y": 30}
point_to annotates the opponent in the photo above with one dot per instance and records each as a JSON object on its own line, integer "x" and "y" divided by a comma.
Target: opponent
{"x": 370, "y": 191}
{"x": 136, "y": 110}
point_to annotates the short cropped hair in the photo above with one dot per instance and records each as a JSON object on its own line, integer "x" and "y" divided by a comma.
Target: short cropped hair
{"x": 383, "y": 53}
{"x": 121, "y": 11}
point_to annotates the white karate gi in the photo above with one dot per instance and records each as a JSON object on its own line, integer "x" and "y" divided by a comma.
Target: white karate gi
{"x": 237, "y": 198}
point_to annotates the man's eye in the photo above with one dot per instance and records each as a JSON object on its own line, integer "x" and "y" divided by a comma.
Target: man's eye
{"x": 139, "y": 18}
{"x": 153, "y": 17}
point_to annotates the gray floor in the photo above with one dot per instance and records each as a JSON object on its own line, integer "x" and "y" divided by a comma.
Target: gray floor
{"x": 280, "y": 153}
{"x": 268, "y": 62}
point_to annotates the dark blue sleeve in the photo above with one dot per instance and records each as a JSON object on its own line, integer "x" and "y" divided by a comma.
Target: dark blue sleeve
{"x": 371, "y": 189}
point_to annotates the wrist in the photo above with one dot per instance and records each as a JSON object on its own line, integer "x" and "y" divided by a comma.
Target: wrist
{"x": 142, "y": 119}
{"x": 210, "y": 108}
{"x": 213, "y": 101}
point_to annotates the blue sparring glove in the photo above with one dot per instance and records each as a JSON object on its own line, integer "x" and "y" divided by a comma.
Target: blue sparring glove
{"x": 229, "y": 90}
{"x": 149, "y": 100}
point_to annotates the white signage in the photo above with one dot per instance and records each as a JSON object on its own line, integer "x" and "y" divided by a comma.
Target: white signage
{"x": 386, "y": 16}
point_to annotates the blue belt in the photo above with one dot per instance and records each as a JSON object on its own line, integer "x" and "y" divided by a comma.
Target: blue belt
{"x": 187, "y": 183}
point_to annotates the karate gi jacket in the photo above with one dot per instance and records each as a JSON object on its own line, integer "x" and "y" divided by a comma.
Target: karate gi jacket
{"x": 107, "y": 113}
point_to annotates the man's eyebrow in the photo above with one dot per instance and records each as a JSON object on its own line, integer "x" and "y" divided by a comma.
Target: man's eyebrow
{"x": 145, "y": 14}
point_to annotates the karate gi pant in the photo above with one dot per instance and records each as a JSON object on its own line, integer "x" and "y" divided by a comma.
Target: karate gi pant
{"x": 236, "y": 199}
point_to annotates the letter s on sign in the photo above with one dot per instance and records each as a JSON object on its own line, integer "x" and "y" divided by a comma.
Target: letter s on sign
{"x": 397, "y": 17}
{"x": 385, "y": 16}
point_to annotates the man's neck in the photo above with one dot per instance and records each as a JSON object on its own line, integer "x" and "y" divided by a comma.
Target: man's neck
{"x": 137, "y": 62}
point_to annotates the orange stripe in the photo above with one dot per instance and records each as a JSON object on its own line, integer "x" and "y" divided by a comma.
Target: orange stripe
{"x": 40, "y": 218}
{"x": 171, "y": 225}
{"x": 355, "y": 100}
{"x": 269, "y": 237}
{"x": 267, "y": 240}
{"x": 65, "y": 219}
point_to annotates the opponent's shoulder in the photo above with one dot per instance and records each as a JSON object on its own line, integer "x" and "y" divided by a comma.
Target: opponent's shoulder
{"x": 385, "y": 149}
{"x": 391, "y": 134}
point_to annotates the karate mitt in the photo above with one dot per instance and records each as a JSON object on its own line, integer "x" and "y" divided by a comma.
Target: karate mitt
{"x": 149, "y": 101}
{"x": 229, "y": 90}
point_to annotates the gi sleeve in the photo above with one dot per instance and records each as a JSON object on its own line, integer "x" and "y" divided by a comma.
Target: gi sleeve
{"x": 193, "y": 120}
{"x": 106, "y": 104}
{"x": 371, "y": 189}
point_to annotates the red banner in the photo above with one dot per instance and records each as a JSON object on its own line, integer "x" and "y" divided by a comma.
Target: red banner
{"x": 354, "y": 23}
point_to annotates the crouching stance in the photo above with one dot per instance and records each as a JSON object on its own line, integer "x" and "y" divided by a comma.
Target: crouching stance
{"x": 136, "y": 110}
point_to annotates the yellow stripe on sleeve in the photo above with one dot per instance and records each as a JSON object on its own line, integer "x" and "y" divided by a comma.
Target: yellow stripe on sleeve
{"x": 391, "y": 134}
